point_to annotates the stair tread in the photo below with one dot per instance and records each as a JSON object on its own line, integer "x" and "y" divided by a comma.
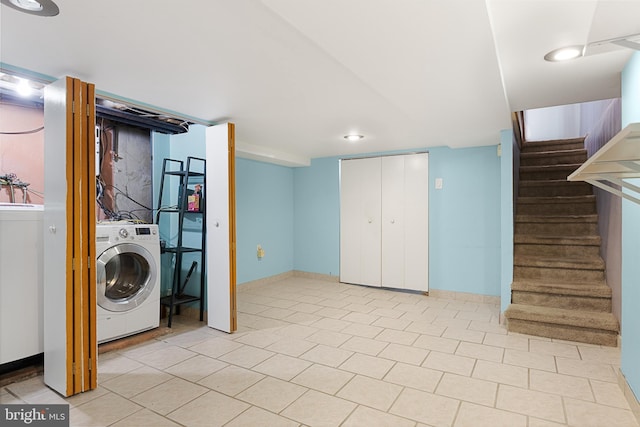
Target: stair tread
{"x": 582, "y": 263}
{"x": 542, "y": 239}
{"x": 579, "y": 139}
{"x": 571, "y": 166}
{"x": 553, "y": 153}
{"x": 556, "y": 199}
{"x": 590, "y": 289}
{"x": 561, "y": 316}
{"x": 549, "y": 182}
{"x": 557, "y": 218}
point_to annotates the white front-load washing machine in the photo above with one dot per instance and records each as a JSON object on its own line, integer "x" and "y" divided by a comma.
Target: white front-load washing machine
{"x": 128, "y": 279}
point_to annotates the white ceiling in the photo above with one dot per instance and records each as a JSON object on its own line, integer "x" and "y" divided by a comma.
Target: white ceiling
{"x": 295, "y": 76}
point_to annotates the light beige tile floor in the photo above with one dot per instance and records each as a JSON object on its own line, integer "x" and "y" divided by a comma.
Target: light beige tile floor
{"x": 316, "y": 353}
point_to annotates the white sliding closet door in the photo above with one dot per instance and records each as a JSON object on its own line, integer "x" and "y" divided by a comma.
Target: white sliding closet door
{"x": 360, "y": 232}
{"x": 384, "y": 220}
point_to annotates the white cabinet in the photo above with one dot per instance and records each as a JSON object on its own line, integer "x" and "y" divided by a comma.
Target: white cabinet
{"x": 384, "y": 221}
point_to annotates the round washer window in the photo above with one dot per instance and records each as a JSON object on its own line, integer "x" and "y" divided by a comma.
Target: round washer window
{"x": 126, "y": 276}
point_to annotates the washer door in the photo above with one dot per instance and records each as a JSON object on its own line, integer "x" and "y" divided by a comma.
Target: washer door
{"x": 126, "y": 274}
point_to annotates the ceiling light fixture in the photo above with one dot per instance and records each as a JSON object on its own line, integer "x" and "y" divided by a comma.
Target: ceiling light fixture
{"x": 24, "y": 87}
{"x": 353, "y": 137}
{"x": 33, "y": 7}
{"x": 577, "y": 51}
{"x": 565, "y": 53}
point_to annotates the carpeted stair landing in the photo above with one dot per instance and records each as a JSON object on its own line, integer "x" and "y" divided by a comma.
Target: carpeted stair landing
{"x": 559, "y": 288}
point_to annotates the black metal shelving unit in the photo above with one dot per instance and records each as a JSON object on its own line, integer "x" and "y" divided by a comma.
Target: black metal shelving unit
{"x": 186, "y": 175}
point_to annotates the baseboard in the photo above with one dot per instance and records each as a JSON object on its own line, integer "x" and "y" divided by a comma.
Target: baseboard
{"x": 316, "y": 276}
{"x": 629, "y": 395}
{"x": 464, "y": 296}
{"x": 247, "y": 286}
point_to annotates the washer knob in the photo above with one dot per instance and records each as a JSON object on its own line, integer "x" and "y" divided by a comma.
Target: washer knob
{"x": 123, "y": 233}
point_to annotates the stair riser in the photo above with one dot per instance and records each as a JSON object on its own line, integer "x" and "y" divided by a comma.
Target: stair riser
{"x": 557, "y": 274}
{"x": 553, "y": 159}
{"x": 577, "y": 208}
{"x": 562, "y": 301}
{"x": 559, "y": 251}
{"x": 570, "y": 333}
{"x": 553, "y": 190}
{"x": 557, "y": 229}
{"x": 544, "y": 175}
{"x": 537, "y": 148}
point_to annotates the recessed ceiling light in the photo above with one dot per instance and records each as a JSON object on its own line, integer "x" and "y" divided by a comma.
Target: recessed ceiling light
{"x": 34, "y": 7}
{"x": 565, "y": 53}
{"x": 353, "y": 137}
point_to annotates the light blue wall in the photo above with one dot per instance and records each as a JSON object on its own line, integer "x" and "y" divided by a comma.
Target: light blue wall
{"x": 631, "y": 241}
{"x": 264, "y": 216}
{"x": 506, "y": 215}
{"x": 317, "y": 217}
{"x": 464, "y": 219}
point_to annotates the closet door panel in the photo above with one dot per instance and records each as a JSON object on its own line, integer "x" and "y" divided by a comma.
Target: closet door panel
{"x": 360, "y": 234}
{"x": 416, "y": 234}
{"x": 349, "y": 223}
{"x": 393, "y": 222}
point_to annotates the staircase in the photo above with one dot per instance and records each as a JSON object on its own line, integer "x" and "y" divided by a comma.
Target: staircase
{"x": 559, "y": 289}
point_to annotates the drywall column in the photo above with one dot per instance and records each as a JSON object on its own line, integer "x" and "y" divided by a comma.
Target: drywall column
{"x": 630, "y": 324}
{"x": 506, "y": 218}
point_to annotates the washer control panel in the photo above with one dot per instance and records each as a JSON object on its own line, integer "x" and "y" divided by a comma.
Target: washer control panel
{"x": 127, "y": 232}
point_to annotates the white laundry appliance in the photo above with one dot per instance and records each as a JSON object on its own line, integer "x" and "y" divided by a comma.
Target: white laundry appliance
{"x": 21, "y": 281}
{"x": 128, "y": 279}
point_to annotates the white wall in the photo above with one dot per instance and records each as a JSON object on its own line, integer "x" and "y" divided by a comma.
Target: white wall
{"x": 561, "y": 122}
